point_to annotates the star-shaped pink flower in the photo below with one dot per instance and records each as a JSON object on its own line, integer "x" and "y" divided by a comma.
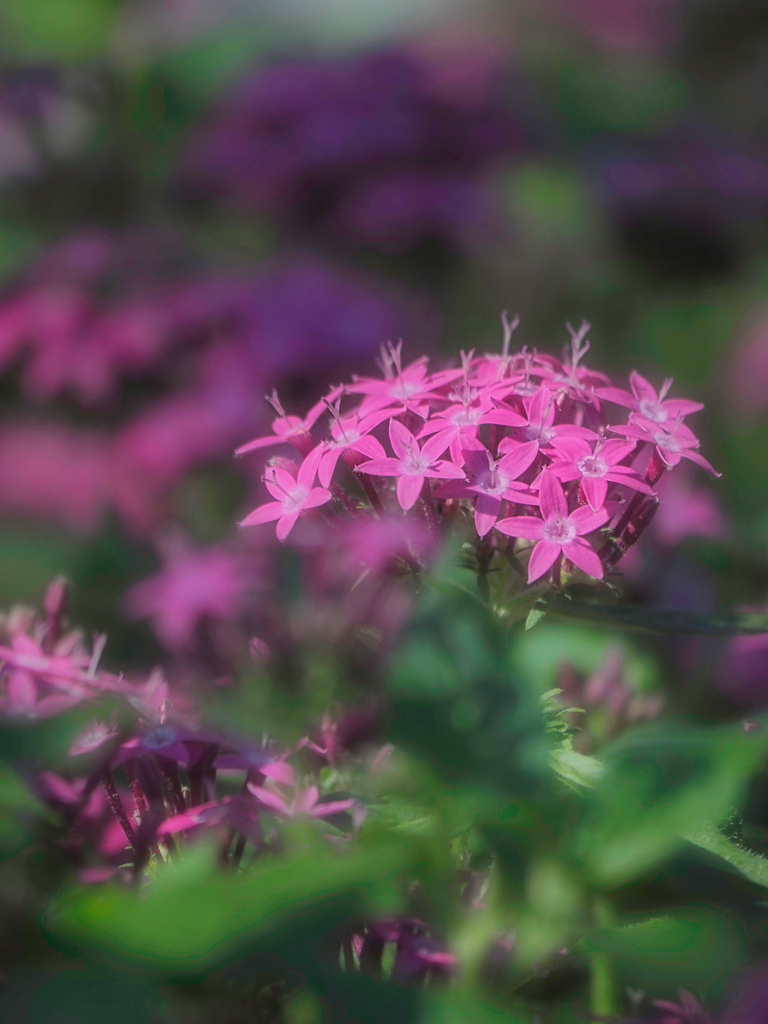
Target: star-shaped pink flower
{"x": 292, "y": 496}
{"x": 645, "y": 401}
{"x": 412, "y": 464}
{"x": 671, "y": 445}
{"x": 489, "y": 482}
{"x": 557, "y": 531}
{"x": 575, "y": 459}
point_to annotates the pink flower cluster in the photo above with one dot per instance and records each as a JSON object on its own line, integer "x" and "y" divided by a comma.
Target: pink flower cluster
{"x": 522, "y": 449}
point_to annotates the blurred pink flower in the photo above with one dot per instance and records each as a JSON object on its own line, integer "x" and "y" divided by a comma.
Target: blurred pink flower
{"x": 747, "y": 375}
{"x": 687, "y": 509}
{"x": 628, "y": 26}
{"x": 192, "y": 584}
{"x": 54, "y": 472}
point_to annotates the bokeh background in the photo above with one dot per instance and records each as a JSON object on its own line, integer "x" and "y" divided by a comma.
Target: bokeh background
{"x": 200, "y": 202}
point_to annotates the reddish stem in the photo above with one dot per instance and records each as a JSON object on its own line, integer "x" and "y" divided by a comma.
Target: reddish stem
{"x": 117, "y": 807}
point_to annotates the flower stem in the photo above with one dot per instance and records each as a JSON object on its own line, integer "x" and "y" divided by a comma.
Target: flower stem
{"x": 603, "y": 990}
{"x": 117, "y": 807}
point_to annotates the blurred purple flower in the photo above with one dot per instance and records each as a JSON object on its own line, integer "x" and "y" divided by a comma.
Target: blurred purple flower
{"x": 389, "y": 146}
{"x": 680, "y": 198}
{"x": 743, "y": 671}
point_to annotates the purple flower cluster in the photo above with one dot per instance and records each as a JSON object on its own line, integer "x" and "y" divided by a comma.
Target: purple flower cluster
{"x": 522, "y": 444}
{"x": 386, "y": 147}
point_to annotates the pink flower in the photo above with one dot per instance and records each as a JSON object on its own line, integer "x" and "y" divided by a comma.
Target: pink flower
{"x": 688, "y": 1011}
{"x": 304, "y": 803}
{"x": 293, "y": 496}
{"x": 576, "y": 460}
{"x": 540, "y": 426}
{"x": 292, "y": 429}
{"x": 490, "y": 482}
{"x": 645, "y": 401}
{"x": 671, "y": 445}
{"x": 458, "y": 425}
{"x": 193, "y": 584}
{"x": 408, "y": 388}
{"x": 351, "y": 435}
{"x": 413, "y": 464}
{"x": 557, "y": 531}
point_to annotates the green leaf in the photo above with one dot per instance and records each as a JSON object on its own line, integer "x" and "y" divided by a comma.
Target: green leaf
{"x": 459, "y": 706}
{"x": 193, "y": 916}
{"x": 696, "y": 948}
{"x": 752, "y": 866}
{"x": 660, "y": 783}
{"x": 460, "y": 1007}
{"x": 652, "y": 620}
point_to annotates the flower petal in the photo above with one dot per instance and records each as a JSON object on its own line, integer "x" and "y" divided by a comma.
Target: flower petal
{"x": 582, "y": 554}
{"x": 543, "y": 558}
{"x": 286, "y": 524}
{"x": 553, "y": 503}
{"x": 527, "y": 527}
{"x": 264, "y": 514}
{"x": 401, "y": 439}
{"x": 408, "y": 490}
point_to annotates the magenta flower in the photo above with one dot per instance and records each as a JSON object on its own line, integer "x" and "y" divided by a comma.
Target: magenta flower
{"x": 490, "y": 482}
{"x": 412, "y": 464}
{"x": 289, "y": 429}
{"x": 351, "y": 434}
{"x": 292, "y": 496}
{"x": 458, "y": 424}
{"x": 557, "y": 531}
{"x": 645, "y": 401}
{"x": 671, "y": 445}
{"x": 306, "y": 802}
{"x": 410, "y": 388}
{"x": 191, "y": 586}
{"x": 576, "y": 460}
{"x": 687, "y": 1011}
{"x": 540, "y": 425}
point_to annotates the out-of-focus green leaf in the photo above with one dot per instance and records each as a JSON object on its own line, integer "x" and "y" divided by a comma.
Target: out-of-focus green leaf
{"x": 80, "y": 995}
{"x": 194, "y": 917}
{"x": 17, "y": 804}
{"x": 696, "y": 948}
{"x": 660, "y": 783}
{"x": 65, "y": 29}
{"x": 461, "y": 1007}
{"x": 677, "y": 623}
{"x": 538, "y": 655}
{"x": 459, "y": 705}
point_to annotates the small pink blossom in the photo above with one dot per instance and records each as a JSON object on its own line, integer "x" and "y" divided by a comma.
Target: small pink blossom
{"x": 671, "y": 445}
{"x": 595, "y": 468}
{"x": 293, "y": 496}
{"x": 491, "y": 482}
{"x": 306, "y": 802}
{"x": 647, "y": 402}
{"x": 412, "y": 464}
{"x": 557, "y": 531}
